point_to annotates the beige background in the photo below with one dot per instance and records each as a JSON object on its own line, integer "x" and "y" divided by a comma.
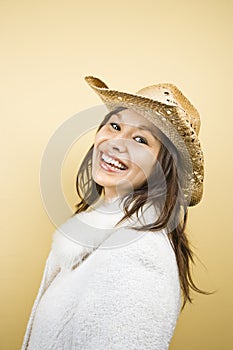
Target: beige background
{"x": 47, "y": 47}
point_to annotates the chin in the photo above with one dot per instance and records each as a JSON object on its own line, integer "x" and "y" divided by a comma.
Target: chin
{"x": 100, "y": 179}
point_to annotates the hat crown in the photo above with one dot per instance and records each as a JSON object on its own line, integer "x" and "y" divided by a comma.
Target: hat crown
{"x": 170, "y": 95}
{"x": 158, "y": 93}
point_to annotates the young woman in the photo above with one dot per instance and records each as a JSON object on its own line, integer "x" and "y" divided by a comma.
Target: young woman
{"x": 119, "y": 267}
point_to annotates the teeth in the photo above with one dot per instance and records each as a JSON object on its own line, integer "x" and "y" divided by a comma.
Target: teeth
{"x": 112, "y": 161}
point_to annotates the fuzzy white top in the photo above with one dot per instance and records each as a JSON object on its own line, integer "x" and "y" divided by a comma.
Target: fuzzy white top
{"x": 105, "y": 291}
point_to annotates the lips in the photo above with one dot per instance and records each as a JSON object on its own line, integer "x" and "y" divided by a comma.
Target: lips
{"x": 112, "y": 163}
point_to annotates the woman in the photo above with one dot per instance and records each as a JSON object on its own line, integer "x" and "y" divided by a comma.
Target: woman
{"x": 116, "y": 268}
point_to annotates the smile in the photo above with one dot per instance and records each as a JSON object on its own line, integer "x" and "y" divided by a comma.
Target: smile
{"x": 113, "y": 164}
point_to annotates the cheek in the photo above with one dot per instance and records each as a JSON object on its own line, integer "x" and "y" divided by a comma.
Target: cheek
{"x": 143, "y": 160}
{"x": 102, "y": 134}
{"x": 98, "y": 138}
{"x": 97, "y": 141}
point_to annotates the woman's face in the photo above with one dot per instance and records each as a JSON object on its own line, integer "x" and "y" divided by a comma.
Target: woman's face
{"x": 125, "y": 151}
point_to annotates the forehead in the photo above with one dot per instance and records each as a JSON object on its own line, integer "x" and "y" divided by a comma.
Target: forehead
{"x": 131, "y": 117}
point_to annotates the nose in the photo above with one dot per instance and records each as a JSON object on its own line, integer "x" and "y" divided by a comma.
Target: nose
{"x": 118, "y": 144}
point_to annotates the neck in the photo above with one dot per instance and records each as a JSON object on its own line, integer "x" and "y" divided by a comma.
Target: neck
{"x": 111, "y": 199}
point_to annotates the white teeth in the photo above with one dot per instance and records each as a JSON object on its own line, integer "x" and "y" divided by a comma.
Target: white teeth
{"x": 112, "y": 161}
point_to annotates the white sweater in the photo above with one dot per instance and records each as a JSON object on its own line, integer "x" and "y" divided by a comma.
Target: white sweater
{"x": 125, "y": 295}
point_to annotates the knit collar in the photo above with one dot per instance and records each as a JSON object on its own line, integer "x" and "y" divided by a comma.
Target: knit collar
{"x": 89, "y": 231}
{"x": 106, "y": 214}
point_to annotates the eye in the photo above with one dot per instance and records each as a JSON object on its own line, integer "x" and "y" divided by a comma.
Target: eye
{"x": 139, "y": 139}
{"x": 115, "y": 126}
{"x": 142, "y": 140}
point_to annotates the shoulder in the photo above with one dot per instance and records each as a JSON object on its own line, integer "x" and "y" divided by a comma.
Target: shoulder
{"x": 157, "y": 247}
{"x": 157, "y": 259}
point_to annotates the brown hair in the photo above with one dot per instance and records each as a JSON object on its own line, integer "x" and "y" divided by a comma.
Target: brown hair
{"x": 163, "y": 188}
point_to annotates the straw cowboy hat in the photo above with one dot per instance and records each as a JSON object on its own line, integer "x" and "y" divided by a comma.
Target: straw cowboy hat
{"x": 170, "y": 111}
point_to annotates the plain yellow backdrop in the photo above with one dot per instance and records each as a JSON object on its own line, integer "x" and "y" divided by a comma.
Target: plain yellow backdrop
{"x": 47, "y": 47}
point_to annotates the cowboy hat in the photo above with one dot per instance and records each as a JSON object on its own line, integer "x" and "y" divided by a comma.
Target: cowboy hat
{"x": 172, "y": 113}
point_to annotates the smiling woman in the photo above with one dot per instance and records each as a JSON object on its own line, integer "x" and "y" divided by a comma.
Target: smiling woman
{"x": 114, "y": 276}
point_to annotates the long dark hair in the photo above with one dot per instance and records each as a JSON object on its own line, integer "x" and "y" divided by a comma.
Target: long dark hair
{"x": 166, "y": 194}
